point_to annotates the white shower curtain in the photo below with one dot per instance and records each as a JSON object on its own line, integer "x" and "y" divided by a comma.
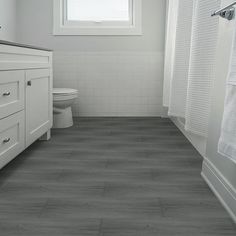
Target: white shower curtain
{"x": 202, "y": 66}
{"x": 179, "y": 84}
{"x": 170, "y": 48}
{"x": 194, "y": 64}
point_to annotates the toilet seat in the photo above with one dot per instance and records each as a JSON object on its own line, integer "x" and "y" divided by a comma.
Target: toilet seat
{"x": 64, "y": 91}
{"x": 61, "y": 94}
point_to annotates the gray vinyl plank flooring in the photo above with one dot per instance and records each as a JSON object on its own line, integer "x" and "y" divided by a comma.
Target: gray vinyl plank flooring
{"x": 110, "y": 177}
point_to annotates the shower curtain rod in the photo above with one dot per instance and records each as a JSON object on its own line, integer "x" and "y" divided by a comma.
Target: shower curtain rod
{"x": 226, "y": 12}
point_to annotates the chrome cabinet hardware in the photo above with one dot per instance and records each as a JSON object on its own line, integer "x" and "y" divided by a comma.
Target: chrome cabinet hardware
{"x": 6, "y": 94}
{"x": 7, "y": 140}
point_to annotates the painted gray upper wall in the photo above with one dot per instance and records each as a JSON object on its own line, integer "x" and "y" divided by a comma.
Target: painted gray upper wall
{"x": 35, "y": 25}
{"x": 8, "y": 20}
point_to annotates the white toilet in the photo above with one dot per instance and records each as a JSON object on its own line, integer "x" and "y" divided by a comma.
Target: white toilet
{"x": 63, "y": 98}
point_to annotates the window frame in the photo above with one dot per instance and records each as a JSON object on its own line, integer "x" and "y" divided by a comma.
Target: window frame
{"x": 61, "y": 26}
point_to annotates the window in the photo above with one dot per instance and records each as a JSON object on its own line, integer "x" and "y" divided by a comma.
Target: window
{"x": 98, "y": 11}
{"x": 97, "y": 17}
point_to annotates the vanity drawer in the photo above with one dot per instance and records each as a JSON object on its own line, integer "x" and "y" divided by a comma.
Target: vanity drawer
{"x": 11, "y": 92}
{"x": 12, "y": 137}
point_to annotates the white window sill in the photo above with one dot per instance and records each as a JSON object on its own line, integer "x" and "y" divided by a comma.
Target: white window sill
{"x": 97, "y": 31}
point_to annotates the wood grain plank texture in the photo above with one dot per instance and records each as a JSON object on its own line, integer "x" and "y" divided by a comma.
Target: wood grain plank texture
{"x": 110, "y": 177}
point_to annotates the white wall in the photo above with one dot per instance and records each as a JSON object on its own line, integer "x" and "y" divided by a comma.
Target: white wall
{"x": 7, "y": 20}
{"x": 115, "y": 76}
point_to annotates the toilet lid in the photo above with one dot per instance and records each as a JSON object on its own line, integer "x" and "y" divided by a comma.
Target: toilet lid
{"x": 64, "y": 91}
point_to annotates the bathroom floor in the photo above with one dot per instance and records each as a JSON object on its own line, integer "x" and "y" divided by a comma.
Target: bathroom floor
{"x": 110, "y": 177}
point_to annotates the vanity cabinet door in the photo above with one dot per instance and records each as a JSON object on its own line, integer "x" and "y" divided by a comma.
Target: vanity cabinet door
{"x": 38, "y": 103}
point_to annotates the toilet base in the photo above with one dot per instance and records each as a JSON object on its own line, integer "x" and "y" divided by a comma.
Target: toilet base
{"x": 62, "y": 118}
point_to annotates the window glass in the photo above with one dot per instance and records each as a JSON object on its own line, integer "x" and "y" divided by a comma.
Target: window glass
{"x": 98, "y": 10}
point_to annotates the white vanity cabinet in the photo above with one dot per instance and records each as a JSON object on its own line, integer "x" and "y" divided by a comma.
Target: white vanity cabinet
{"x": 25, "y": 98}
{"x": 38, "y": 108}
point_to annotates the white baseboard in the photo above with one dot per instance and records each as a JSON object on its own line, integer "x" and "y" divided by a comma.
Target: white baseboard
{"x": 223, "y": 190}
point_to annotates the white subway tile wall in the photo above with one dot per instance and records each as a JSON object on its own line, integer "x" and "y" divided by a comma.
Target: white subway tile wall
{"x": 112, "y": 83}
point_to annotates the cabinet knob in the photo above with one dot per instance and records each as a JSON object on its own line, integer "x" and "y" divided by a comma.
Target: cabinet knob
{"x": 6, "y": 94}
{"x": 7, "y": 140}
{"x": 29, "y": 83}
